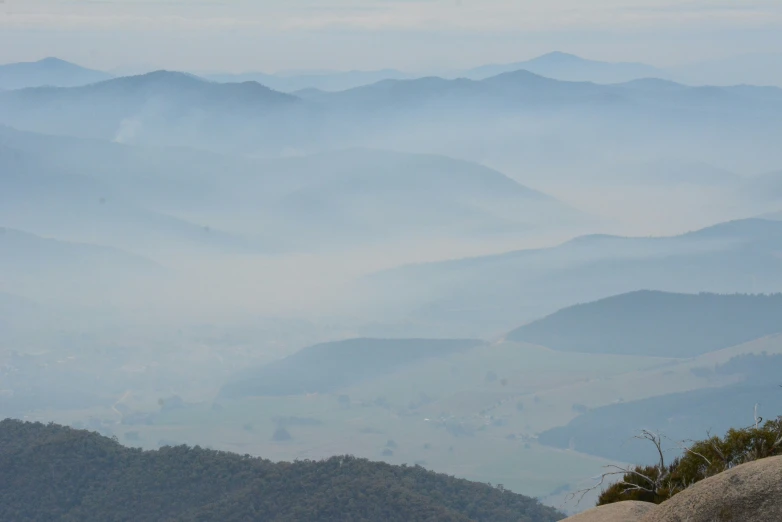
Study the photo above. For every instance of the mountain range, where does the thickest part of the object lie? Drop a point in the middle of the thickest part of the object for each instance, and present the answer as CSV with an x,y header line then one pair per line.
x,y
497,290
51,72
515,118
569,67
657,323
752,69
324,81
146,197
163,107
228,260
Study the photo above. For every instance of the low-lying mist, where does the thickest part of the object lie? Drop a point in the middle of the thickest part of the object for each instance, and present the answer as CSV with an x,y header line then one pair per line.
x,y
304,274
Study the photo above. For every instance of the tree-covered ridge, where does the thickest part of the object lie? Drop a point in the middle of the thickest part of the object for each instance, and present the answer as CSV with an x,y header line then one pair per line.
x,y
327,367
657,323
52,472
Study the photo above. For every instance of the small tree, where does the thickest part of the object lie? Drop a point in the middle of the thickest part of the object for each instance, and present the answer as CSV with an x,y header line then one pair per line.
x,y
700,460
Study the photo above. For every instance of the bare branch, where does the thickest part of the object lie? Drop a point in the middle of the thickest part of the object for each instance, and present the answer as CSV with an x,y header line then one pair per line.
x,y
655,439
617,470
682,446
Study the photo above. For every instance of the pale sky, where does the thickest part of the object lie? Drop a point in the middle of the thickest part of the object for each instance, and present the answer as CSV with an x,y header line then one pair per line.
x,y
270,35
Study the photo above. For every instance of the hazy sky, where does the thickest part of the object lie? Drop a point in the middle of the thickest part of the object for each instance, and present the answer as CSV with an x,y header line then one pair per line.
x,y
271,35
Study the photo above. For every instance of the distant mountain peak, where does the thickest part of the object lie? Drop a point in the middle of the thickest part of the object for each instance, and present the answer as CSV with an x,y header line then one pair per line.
x,y
558,56
54,60
563,66
592,238
520,75
746,229
165,74
50,71
160,78
653,84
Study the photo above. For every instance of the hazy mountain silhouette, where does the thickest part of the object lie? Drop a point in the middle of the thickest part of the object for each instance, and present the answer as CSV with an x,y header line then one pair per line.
x,y
739,256
374,194
608,431
47,72
652,85
29,252
33,266
328,367
516,86
752,69
453,101
555,65
657,324
325,81
92,190
161,107
564,66
165,108
79,197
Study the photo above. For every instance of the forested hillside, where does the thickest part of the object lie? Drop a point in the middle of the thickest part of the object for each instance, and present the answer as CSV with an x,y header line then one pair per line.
x,y
657,323
52,472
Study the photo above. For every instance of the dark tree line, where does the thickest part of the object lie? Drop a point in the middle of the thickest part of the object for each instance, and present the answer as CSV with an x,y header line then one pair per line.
x,y
51,472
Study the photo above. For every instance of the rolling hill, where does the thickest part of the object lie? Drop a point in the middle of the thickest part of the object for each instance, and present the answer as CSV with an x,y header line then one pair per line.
x,y
370,194
67,189
486,295
51,72
89,477
608,431
329,367
35,267
75,187
657,323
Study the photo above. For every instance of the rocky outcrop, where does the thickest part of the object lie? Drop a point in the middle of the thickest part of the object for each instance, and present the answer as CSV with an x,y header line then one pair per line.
x,y
750,492
629,511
